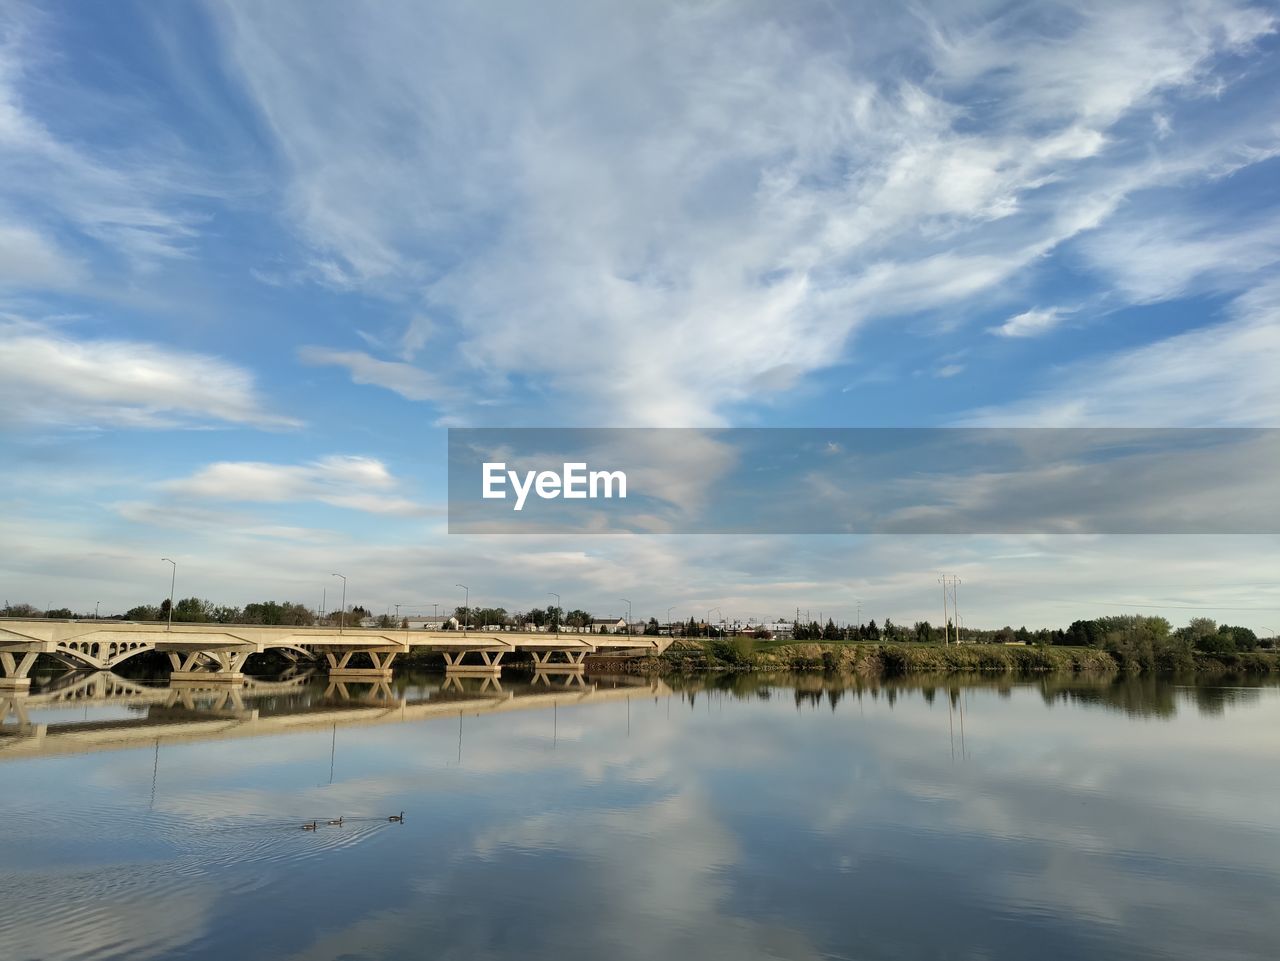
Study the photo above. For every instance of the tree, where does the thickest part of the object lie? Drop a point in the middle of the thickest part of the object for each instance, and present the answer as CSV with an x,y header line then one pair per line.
x,y
651,628
143,612
61,613
1084,634
192,610
1243,638
19,610
924,632
226,614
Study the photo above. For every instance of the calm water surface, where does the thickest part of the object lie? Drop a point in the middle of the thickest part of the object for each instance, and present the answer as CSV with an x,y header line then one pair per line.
x,y
781,817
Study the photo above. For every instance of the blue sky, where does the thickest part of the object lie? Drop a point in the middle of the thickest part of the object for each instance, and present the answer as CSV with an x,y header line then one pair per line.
x,y
255,257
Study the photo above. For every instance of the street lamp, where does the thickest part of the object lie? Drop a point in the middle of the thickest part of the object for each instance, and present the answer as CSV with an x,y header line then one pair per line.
x,y
173,577
671,631
628,603
95,609
342,614
559,607
466,606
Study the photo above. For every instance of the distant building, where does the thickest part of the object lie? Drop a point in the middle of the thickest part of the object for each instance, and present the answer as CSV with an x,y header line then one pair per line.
x,y
608,625
783,630
432,623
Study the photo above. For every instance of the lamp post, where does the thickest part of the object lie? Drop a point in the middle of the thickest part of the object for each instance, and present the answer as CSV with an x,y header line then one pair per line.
x,y
342,614
173,577
628,603
95,609
671,631
466,606
559,607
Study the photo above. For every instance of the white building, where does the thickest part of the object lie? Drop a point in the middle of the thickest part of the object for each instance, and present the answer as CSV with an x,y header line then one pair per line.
x,y
608,625
432,623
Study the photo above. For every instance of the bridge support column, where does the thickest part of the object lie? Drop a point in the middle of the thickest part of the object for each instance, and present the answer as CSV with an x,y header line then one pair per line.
x,y
340,666
574,662
560,679
482,684
491,663
14,669
208,667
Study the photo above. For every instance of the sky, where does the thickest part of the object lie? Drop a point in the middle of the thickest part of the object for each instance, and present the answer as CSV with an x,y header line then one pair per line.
x,y
257,257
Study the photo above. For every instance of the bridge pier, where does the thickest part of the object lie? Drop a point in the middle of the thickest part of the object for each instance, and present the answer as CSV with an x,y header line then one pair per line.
x,y
484,684
491,663
196,667
340,665
15,666
569,680
574,662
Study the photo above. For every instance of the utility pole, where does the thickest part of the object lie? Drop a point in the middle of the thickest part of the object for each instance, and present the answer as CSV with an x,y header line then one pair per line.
x,y
559,607
466,606
628,603
173,577
342,614
949,583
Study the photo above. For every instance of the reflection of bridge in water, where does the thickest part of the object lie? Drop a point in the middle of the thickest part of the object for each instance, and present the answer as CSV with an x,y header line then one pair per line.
x,y
260,707
206,653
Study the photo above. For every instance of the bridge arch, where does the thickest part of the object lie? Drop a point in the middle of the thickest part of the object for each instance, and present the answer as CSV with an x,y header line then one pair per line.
x,y
294,648
79,654
119,653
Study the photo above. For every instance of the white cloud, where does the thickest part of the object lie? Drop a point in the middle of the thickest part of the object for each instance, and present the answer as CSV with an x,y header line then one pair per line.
x,y
128,200
1155,258
1222,375
743,189
356,483
48,378
410,382
30,259
1030,323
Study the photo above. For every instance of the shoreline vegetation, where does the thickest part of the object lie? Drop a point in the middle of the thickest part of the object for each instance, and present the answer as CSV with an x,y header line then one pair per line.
x,y
1127,644
891,660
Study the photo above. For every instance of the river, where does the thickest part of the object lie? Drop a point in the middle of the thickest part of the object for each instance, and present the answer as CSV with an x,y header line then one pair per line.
x,y
739,817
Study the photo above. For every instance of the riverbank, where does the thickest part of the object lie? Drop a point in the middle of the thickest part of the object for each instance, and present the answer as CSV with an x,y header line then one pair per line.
x,y
744,654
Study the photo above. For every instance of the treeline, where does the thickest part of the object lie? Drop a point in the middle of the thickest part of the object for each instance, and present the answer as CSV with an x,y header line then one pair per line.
x,y
195,610
549,618
1143,638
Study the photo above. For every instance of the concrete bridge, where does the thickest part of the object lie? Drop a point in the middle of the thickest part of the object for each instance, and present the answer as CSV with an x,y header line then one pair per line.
x,y
185,713
207,653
